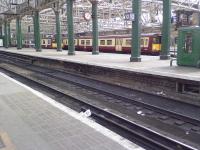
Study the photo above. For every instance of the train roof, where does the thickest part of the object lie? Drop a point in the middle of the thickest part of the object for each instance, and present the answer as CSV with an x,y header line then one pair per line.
x,y
121,36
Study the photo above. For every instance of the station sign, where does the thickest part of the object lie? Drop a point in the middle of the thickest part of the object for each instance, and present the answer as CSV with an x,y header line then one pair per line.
x,y
129,16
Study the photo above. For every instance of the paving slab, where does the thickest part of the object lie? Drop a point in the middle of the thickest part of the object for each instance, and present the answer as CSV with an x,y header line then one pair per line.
x,y
30,120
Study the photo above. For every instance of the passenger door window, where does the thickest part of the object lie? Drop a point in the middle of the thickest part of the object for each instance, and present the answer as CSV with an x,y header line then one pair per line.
x,y
188,43
142,42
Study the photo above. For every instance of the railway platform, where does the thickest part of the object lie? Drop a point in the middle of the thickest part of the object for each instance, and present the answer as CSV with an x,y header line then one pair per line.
x,y
30,120
149,64
152,75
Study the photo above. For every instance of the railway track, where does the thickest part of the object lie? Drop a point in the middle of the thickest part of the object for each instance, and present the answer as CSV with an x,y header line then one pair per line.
x,y
104,111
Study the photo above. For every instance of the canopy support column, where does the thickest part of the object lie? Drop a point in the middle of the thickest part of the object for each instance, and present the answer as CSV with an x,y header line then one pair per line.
x,y
37,31
165,47
95,41
19,32
71,46
136,31
5,35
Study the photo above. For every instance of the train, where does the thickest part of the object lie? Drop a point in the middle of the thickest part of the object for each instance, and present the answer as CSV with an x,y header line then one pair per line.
x,y
150,43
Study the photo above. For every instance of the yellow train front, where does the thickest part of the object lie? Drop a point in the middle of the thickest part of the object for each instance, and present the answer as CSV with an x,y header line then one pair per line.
x,y
151,44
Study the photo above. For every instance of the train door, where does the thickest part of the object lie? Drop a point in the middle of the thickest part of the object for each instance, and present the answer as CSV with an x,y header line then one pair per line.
x,y
82,44
118,46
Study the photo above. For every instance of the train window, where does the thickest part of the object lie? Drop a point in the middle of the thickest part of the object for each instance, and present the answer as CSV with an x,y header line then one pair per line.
x,y
102,42
87,42
142,42
109,42
43,41
128,42
146,43
188,43
49,41
157,40
82,42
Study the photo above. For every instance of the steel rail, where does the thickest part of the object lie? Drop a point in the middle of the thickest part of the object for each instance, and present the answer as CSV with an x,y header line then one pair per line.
x,y
151,139
115,95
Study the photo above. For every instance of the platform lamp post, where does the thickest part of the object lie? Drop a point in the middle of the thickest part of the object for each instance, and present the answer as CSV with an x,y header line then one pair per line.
x,y
165,47
58,32
95,41
70,25
136,31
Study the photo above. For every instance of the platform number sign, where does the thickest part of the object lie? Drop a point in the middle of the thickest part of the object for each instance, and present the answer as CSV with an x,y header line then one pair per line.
x,y
129,16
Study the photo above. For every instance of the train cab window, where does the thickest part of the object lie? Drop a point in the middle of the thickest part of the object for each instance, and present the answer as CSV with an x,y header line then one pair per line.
x,y
109,42
188,43
102,42
82,42
128,42
157,40
87,42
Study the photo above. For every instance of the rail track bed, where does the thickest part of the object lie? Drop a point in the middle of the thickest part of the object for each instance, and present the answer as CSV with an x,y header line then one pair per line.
x,y
139,116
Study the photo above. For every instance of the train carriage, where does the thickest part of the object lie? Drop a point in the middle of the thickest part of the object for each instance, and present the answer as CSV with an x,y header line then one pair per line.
x,y
150,43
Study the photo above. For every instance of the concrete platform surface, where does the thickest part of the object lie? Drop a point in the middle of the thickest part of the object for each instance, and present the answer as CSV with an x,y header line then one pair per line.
x,y
30,120
149,64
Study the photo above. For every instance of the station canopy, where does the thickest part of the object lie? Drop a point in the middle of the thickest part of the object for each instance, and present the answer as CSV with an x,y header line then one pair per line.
x,y
110,13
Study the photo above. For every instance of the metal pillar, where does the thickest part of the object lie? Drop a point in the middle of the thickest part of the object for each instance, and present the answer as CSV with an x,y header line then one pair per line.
x,y
95,41
9,35
58,35
165,48
37,31
1,30
34,28
136,31
199,19
5,35
19,33
71,47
